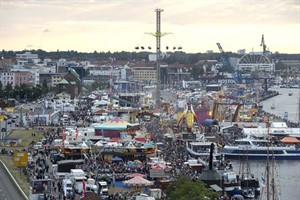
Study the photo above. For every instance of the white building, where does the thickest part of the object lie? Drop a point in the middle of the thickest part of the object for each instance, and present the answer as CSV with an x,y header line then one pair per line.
x,y
27,56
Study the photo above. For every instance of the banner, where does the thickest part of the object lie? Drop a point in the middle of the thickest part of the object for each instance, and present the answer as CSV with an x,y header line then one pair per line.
x,y
43,186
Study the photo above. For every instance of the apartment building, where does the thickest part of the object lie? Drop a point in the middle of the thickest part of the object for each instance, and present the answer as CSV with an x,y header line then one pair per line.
x,y
144,73
16,78
35,75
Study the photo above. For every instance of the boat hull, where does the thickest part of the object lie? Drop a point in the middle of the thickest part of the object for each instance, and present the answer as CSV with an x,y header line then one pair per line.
x,y
257,157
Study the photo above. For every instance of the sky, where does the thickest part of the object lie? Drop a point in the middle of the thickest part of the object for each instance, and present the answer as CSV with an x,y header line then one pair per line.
x,y
121,25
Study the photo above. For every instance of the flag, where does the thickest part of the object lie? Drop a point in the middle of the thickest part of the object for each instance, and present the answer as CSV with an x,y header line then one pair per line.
x,y
63,135
76,136
263,181
83,189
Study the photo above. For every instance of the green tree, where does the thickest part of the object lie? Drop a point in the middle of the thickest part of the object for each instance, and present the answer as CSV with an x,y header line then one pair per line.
x,y
185,189
45,87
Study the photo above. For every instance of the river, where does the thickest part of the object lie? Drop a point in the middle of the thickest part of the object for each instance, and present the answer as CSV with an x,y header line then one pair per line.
x,y
284,103
288,171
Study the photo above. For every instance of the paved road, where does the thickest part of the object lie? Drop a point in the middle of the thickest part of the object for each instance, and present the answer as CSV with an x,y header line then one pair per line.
x,y
7,189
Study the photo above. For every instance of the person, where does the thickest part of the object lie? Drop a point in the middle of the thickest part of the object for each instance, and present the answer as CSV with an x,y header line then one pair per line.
x,y
45,187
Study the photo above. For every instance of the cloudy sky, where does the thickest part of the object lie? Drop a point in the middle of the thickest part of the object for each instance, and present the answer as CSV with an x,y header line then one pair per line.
x,y
117,25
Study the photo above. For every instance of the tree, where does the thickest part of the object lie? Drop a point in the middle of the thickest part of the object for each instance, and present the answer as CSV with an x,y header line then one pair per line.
x,y
185,189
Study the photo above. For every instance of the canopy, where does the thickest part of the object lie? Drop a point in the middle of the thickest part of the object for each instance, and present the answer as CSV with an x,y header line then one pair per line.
x,y
115,139
116,158
161,166
140,139
135,174
138,181
113,124
290,140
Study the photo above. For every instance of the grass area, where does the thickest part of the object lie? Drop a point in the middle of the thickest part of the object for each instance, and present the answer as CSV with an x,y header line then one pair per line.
x,y
26,137
20,178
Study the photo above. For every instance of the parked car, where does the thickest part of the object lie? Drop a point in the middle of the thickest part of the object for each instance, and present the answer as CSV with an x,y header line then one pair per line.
x,y
38,145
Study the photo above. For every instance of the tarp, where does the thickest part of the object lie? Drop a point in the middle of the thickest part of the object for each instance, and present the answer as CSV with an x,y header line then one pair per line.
x,y
116,158
290,140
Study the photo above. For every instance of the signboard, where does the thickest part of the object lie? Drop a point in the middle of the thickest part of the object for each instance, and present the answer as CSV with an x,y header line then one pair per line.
x,y
187,136
42,186
157,173
286,115
20,159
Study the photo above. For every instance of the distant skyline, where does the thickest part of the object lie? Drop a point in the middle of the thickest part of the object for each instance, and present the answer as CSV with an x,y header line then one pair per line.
x,y
120,25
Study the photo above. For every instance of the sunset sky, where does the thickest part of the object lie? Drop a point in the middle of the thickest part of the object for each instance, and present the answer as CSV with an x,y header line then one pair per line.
x,y
120,25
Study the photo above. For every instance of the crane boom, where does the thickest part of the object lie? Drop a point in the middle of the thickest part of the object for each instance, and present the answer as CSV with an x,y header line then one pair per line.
x,y
263,44
220,47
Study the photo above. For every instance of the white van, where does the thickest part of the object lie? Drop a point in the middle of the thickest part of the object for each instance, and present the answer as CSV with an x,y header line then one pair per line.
x,y
67,187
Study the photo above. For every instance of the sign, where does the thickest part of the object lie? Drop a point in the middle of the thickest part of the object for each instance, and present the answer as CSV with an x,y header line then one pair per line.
x,y
20,159
286,116
157,173
187,136
42,186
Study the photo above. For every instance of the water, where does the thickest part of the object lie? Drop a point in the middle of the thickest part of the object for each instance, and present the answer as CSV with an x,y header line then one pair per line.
x,y
287,178
284,103
288,170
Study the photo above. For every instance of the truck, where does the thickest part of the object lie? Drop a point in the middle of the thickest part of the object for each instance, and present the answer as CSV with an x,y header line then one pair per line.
x,y
67,187
63,168
102,188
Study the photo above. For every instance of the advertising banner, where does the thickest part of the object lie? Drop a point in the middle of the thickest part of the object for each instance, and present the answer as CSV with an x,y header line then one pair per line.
x,y
42,186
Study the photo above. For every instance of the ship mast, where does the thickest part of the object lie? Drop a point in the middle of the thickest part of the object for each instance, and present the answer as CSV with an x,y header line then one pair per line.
x,y
299,108
268,166
273,180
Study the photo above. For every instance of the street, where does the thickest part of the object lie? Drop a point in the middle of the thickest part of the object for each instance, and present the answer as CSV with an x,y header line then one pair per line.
x,y
7,189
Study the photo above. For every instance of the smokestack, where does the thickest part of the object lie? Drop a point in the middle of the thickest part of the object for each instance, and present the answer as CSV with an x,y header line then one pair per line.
x,y
212,146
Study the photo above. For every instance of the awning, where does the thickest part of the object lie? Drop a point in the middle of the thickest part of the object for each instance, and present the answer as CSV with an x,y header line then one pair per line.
x,y
290,140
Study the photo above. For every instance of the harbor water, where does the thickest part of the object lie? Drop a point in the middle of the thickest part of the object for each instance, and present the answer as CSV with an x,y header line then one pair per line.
x,y
287,172
284,104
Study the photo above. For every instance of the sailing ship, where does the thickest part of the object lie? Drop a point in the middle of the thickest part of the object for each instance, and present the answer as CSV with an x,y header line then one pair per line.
x,y
249,184
270,189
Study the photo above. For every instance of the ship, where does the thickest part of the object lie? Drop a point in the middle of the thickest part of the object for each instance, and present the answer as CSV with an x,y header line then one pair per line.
x,y
258,149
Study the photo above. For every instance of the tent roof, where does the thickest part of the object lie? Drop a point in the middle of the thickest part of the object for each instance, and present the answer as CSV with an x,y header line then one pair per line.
x,y
138,181
116,123
140,139
116,139
116,158
290,140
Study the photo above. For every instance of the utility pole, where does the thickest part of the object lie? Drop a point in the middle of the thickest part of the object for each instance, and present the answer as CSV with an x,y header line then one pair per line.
x,y
158,34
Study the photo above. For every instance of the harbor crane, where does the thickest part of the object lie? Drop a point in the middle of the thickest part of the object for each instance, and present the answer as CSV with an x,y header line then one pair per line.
x,y
225,60
263,44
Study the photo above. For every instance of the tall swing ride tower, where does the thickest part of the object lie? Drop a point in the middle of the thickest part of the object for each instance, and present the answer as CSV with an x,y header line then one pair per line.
x,y
158,34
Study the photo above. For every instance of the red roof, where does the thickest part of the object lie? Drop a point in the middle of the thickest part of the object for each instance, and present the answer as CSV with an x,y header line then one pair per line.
x,y
141,139
115,139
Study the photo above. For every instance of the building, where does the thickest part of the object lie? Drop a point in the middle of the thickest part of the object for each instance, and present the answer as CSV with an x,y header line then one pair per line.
x,y
52,79
144,74
70,84
16,78
34,79
291,65
27,58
